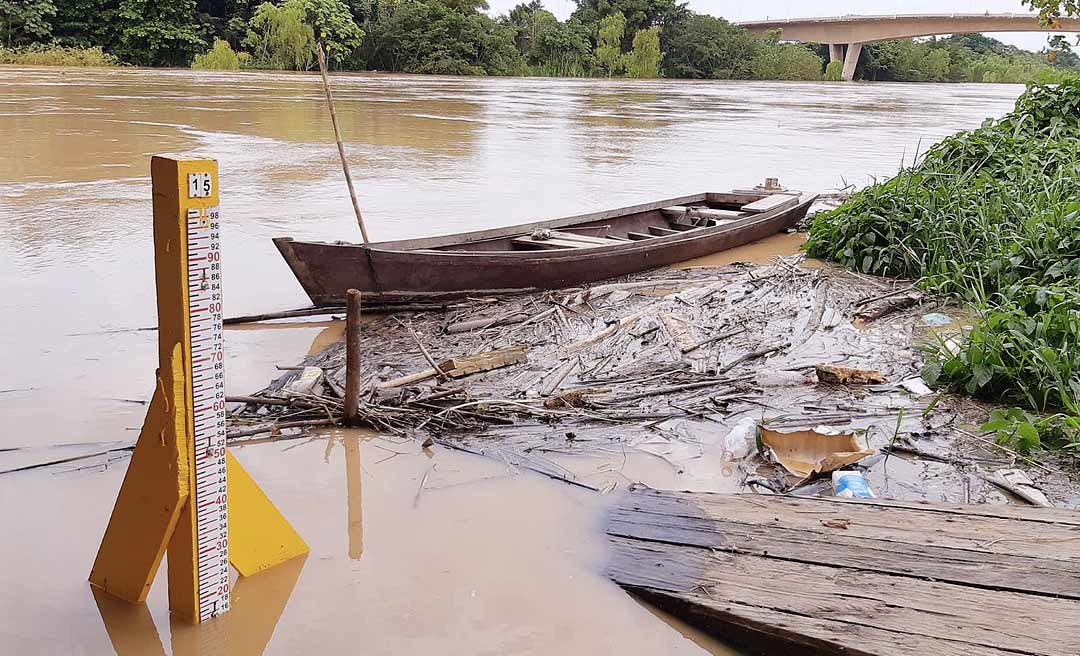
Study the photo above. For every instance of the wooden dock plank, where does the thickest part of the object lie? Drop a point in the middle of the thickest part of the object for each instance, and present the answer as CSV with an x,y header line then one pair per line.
x,y
968,567
956,530
854,578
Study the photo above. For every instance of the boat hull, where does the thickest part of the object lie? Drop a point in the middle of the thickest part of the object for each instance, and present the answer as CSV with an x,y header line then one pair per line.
x,y
327,270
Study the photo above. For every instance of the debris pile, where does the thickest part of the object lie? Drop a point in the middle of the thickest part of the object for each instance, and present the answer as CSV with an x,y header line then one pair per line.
x,y
680,367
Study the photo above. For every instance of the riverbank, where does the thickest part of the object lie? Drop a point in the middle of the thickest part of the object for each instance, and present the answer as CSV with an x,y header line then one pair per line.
x,y
989,217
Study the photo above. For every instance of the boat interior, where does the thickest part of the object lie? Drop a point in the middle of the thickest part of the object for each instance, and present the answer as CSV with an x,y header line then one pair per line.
x,y
717,210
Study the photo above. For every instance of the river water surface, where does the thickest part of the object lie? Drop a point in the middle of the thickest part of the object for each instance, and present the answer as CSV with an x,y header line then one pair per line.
x,y
494,564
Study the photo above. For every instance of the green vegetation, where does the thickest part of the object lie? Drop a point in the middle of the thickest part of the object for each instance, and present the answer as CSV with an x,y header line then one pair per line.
x,y
643,60
992,218
43,55
785,61
221,58
962,58
25,21
834,71
609,37
280,37
601,38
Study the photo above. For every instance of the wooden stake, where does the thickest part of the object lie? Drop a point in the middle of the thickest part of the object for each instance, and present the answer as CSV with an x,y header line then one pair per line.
x,y
337,136
352,358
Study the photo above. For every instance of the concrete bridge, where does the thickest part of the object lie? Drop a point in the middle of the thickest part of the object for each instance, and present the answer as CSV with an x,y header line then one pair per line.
x,y
846,35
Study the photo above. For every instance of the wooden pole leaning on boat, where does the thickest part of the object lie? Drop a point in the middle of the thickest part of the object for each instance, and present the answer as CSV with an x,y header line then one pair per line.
x,y
337,135
352,358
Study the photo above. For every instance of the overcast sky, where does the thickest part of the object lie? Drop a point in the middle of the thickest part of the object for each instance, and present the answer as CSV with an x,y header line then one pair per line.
x,y
738,10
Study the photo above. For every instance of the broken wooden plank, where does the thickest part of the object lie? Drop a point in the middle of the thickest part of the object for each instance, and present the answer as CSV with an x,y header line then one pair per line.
x,y
843,577
462,365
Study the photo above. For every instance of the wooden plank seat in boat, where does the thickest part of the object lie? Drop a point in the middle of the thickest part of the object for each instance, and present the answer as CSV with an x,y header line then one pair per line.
x,y
557,239
770,202
638,236
663,232
677,211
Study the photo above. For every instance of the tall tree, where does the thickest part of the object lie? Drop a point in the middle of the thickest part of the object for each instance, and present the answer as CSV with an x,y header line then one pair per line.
x,y
428,36
706,47
609,38
25,21
88,23
639,14
643,60
283,36
158,33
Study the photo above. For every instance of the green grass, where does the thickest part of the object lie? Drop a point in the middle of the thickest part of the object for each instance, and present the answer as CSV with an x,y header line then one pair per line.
x,y
990,217
51,55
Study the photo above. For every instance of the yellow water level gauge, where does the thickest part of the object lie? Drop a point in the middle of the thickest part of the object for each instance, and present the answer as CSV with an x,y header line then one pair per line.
x,y
182,487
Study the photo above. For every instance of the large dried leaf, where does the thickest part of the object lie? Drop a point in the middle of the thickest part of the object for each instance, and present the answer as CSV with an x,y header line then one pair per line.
x,y
808,452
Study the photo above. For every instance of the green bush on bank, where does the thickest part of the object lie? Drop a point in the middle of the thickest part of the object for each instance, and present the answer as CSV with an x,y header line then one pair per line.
x,y
834,71
53,55
221,58
991,217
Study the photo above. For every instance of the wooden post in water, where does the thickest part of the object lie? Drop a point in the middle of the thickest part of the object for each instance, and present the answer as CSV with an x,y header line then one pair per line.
x,y
337,135
352,358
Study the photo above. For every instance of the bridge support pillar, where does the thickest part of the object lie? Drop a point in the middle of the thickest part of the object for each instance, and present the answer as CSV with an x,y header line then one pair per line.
x,y
851,58
836,52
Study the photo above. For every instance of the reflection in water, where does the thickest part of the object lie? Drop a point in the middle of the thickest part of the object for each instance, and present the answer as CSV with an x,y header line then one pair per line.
x,y
256,606
352,486
130,627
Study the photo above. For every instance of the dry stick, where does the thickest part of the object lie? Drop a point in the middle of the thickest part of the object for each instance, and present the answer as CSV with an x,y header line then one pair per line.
x,y
490,322
1002,447
352,359
423,349
260,400
560,376
668,389
337,136
305,423
435,396
381,308
715,338
750,356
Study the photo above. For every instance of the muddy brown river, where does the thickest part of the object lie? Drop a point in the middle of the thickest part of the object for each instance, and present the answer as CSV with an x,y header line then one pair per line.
x,y
484,561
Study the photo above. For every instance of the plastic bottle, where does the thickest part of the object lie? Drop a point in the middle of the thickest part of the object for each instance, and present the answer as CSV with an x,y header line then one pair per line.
x,y
851,484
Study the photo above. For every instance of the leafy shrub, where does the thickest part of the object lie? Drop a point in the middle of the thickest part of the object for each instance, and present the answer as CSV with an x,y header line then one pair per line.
x,y
51,55
992,217
834,71
221,58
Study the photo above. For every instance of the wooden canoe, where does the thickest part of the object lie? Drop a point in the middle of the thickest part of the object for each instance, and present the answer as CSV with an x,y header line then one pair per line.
x,y
550,254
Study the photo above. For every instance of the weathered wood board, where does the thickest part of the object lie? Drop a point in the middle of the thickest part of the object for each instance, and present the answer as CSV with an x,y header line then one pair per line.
x,y
829,576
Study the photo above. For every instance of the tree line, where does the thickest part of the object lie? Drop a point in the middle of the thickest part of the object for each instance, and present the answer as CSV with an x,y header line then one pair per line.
x,y
601,38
